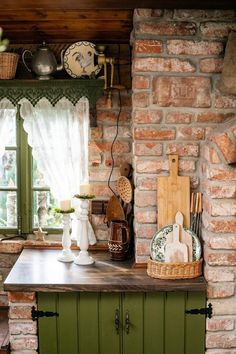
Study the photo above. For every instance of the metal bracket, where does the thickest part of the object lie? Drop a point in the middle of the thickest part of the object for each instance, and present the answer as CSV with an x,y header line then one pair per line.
x,y
35,314
203,311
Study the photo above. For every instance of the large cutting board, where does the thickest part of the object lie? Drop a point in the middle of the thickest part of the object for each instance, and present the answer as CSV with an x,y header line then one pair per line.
x,y
173,194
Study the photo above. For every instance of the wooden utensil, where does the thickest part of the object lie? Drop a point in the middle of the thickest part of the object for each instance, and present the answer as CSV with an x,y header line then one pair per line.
x,y
173,194
124,188
125,169
176,251
114,210
184,236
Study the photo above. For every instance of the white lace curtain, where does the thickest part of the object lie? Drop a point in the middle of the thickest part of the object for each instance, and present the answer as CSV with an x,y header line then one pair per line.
x,y
58,136
7,119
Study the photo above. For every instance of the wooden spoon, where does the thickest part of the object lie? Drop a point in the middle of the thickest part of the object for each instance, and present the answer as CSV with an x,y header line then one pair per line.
x,y
114,210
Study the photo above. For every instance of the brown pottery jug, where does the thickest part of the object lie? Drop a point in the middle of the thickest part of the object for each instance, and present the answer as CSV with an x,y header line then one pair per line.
x,y
119,240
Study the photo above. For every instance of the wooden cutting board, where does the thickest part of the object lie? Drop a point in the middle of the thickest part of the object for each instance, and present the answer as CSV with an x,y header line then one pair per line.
x,y
173,194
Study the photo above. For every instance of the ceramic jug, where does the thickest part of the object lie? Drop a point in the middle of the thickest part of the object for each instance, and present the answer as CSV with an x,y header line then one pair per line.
x,y
43,62
118,243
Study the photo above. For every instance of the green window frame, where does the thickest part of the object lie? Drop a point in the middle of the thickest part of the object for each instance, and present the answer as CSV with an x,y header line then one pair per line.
x,y
24,187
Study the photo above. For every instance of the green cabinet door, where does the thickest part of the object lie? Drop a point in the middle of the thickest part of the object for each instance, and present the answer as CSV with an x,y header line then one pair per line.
x,y
121,323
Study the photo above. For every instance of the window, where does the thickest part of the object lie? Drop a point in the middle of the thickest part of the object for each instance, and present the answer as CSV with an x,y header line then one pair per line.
x,y
25,200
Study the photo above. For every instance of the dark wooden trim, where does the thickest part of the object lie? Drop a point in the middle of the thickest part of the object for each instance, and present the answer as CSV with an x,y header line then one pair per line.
x,y
112,4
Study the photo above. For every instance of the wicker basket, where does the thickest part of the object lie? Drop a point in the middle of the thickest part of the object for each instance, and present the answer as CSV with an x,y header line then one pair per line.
x,y
8,65
164,270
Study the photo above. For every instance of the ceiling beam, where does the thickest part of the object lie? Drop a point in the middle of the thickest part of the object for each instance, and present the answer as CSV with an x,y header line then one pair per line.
x,y
114,4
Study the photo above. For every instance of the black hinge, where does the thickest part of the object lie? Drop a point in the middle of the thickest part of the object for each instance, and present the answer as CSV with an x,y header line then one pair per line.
x,y
35,314
203,311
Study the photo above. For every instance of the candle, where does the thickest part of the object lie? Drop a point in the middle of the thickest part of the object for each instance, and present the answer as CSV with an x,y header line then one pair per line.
x,y
85,189
65,205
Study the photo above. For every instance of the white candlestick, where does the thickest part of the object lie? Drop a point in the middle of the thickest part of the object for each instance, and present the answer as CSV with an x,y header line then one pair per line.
x,y
65,205
85,189
83,258
66,254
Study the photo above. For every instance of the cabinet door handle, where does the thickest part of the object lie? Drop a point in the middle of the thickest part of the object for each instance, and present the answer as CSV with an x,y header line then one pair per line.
x,y
127,322
117,321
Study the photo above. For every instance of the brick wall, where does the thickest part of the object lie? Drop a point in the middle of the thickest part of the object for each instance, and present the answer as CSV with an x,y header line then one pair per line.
x,y
177,108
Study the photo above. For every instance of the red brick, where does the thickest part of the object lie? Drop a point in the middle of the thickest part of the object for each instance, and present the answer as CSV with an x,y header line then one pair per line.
x,y
11,246
141,82
178,118
119,147
227,146
147,117
220,340
152,166
218,191
221,258
7,261
23,328
145,216
219,274
214,117
118,160
123,132
193,133
187,47
224,306
211,65
20,312
222,242
24,343
141,99
222,207
222,101
182,91
217,29
183,149
3,300
158,166
21,297
162,64
142,247
145,199
221,226
146,231
165,28
126,101
215,291
207,13
147,46
147,183
148,149
224,324
211,154
154,134
111,117
215,174
101,190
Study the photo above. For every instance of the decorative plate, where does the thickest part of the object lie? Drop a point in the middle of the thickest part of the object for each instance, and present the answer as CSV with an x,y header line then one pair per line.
x,y
157,247
79,60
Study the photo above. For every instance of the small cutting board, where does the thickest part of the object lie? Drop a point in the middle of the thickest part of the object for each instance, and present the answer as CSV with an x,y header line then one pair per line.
x,y
176,251
173,194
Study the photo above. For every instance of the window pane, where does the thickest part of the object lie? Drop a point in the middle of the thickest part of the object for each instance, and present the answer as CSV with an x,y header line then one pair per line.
x,y
12,132
8,209
43,210
8,169
38,178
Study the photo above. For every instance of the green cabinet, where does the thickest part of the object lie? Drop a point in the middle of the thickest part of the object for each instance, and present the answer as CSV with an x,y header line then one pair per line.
x,y
121,323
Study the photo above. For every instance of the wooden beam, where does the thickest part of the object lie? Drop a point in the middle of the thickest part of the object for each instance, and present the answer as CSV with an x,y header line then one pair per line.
x,y
114,4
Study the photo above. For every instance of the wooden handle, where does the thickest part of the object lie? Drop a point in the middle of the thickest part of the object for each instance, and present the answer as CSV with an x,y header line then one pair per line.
x,y
173,165
196,203
192,203
200,202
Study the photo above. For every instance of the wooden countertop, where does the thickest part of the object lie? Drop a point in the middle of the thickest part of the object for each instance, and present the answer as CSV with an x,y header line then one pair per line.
x,y
39,270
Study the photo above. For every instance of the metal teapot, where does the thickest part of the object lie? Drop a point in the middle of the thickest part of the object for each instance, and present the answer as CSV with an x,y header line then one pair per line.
x,y
43,62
